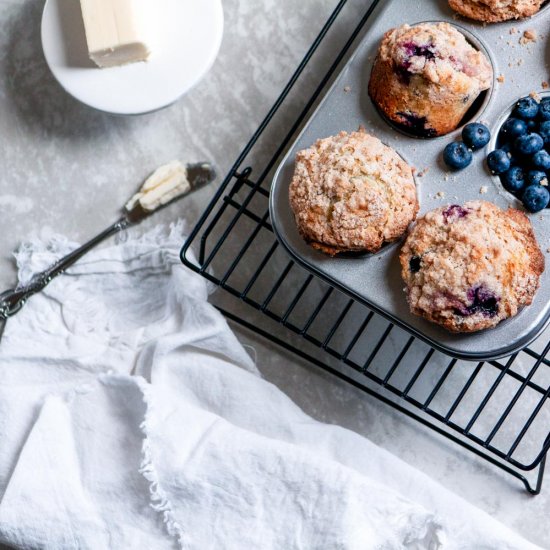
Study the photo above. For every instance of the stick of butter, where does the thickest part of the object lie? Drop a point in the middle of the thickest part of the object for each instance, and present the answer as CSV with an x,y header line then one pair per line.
x,y
115,31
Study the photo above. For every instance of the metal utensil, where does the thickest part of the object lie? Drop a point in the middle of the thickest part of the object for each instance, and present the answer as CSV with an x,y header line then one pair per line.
x,y
13,300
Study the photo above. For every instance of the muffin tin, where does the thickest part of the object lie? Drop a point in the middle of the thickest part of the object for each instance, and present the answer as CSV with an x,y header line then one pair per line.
x,y
375,279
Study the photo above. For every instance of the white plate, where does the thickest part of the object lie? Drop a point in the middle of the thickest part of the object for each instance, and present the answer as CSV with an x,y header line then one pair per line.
x,y
185,47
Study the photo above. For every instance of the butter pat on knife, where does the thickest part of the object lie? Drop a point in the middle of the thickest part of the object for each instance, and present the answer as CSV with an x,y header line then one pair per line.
x,y
116,31
165,184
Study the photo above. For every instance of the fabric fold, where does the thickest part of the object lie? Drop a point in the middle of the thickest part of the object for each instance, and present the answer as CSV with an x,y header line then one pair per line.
x,y
132,417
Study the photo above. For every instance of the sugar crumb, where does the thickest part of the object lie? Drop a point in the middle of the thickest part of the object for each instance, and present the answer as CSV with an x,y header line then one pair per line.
x,y
530,35
440,195
545,85
501,78
483,189
535,96
347,89
423,172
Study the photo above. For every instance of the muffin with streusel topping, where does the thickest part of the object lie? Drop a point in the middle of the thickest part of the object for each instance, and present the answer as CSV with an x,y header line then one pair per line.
x,y
426,77
352,193
469,267
493,11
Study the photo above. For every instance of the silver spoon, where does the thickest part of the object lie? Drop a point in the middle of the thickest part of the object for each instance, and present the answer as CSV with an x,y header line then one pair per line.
x,y
13,300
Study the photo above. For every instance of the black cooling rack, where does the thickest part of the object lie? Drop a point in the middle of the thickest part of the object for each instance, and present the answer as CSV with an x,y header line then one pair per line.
x,y
498,410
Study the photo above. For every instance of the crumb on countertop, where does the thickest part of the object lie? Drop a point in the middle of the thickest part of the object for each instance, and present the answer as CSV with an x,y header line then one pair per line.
x,y
513,30
347,89
501,78
483,189
545,85
423,172
440,195
535,96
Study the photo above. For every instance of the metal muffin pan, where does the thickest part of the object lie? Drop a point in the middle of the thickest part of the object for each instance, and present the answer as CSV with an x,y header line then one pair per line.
x,y
375,279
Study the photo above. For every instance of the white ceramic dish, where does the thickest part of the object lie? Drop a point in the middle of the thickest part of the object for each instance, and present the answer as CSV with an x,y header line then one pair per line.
x,y
184,49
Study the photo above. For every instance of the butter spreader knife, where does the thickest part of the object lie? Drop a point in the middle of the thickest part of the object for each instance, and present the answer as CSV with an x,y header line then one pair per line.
x,y
165,186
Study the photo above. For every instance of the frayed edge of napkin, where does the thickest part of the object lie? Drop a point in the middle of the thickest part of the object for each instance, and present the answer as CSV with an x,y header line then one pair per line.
x,y
159,501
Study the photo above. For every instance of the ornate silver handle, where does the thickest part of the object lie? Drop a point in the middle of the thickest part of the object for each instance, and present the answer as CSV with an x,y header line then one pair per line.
x,y
13,300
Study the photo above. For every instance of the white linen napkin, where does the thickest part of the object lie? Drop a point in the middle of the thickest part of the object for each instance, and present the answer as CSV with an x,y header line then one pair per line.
x,y
131,417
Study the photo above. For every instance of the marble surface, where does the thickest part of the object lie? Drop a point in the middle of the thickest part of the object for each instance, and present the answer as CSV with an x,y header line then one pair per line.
x,y
67,169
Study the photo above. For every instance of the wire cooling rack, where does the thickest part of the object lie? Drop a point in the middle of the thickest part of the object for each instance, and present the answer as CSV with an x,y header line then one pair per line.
x,y
498,410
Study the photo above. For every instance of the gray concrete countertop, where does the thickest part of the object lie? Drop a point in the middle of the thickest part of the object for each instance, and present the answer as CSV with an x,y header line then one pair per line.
x,y
67,169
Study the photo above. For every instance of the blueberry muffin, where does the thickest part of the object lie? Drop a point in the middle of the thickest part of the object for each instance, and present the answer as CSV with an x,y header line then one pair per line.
x,y
493,11
426,77
469,267
352,193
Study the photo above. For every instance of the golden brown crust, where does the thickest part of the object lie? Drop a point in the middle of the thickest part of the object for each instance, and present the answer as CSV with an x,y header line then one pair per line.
x,y
426,77
495,11
469,267
529,240
352,193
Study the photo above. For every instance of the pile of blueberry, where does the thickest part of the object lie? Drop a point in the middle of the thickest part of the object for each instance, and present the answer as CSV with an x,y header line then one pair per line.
x,y
522,159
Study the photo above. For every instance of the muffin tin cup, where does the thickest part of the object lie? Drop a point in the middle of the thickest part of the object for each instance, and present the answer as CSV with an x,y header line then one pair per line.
x,y
375,279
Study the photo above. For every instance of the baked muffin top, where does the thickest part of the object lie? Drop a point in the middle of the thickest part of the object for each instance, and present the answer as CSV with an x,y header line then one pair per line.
x,y
352,193
469,267
493,11
440,54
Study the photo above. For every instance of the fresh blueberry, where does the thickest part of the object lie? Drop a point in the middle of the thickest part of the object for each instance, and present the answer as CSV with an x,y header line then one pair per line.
x,y
457,156
535,198
541,160
514,179
513,128
498,161
526,108
528,144
506,147
536,177
476,136
544,131
544,110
